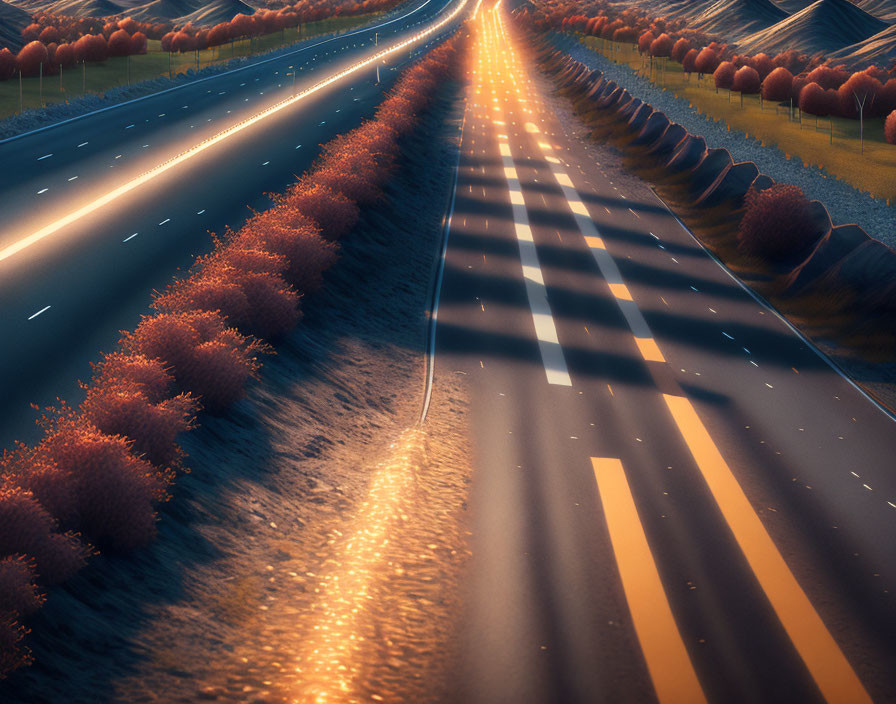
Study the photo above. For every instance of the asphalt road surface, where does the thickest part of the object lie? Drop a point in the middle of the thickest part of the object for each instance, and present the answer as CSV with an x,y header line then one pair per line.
x,y
65,297
675,498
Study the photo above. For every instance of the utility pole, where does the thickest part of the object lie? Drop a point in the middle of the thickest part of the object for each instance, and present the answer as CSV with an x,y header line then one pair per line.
x,y
83,75
40,99
376,42
21,100
128,65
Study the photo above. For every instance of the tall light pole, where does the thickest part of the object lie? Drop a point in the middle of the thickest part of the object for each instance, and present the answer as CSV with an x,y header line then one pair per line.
x,y
376,41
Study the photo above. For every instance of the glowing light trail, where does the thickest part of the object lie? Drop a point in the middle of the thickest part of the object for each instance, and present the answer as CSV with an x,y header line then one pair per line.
x,y
56,226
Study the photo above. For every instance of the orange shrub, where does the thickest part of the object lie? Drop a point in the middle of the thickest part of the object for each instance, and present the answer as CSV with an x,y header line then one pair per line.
x,y
207,293
777,223
724,74
122,408
31,57
13,654
7,64
356,178
890,128
220,374
661,46
398,113
147,374
115,491
335,213
644,42
257,303
777,85
18,591
26,528
242,254
746,80
679,49
182,340
274,304
308,254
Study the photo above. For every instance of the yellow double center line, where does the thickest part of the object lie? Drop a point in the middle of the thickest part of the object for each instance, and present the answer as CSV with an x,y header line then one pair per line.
x,y
667,660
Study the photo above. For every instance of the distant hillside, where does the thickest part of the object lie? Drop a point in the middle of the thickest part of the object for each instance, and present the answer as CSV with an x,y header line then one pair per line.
x,y
163,10
883,9
12,21
793,6
735,19
82,8
217,11
879,49
825,26
687,10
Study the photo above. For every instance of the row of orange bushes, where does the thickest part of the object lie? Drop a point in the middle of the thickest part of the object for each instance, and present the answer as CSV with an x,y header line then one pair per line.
x,y
95,478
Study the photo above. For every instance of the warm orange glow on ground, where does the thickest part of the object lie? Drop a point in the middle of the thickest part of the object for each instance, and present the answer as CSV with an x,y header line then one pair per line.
x,y
329,664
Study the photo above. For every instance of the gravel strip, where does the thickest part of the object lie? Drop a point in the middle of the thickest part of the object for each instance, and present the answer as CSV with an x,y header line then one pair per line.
x,y
845,203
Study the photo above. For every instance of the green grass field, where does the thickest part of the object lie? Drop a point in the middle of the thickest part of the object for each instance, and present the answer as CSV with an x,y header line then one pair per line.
x,y
831,143
99,77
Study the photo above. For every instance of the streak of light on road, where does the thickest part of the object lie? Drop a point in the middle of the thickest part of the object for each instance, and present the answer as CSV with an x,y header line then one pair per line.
x,y
28,240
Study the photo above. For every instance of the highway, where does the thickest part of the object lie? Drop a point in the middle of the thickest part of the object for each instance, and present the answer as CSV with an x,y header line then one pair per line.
x,y
77,265
675,498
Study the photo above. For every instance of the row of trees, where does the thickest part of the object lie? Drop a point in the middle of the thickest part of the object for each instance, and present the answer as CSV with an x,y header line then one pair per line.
x,y
55,41
814,85
38,58
94,479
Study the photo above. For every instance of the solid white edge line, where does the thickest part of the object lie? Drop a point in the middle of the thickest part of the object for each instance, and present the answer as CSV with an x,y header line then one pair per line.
x,y
774,311
430,351
208,78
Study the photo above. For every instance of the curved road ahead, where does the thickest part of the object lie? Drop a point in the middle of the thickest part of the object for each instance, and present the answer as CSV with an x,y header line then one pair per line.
x,y
674,497
64,298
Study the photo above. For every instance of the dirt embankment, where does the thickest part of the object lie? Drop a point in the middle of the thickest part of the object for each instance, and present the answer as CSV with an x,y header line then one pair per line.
x,y
319,540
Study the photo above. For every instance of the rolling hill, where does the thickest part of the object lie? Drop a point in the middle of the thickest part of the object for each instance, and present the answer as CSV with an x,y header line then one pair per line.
x,y
217,11
82,8
163,10
824,26
12,21
791,7
882,9
735,19
879,49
